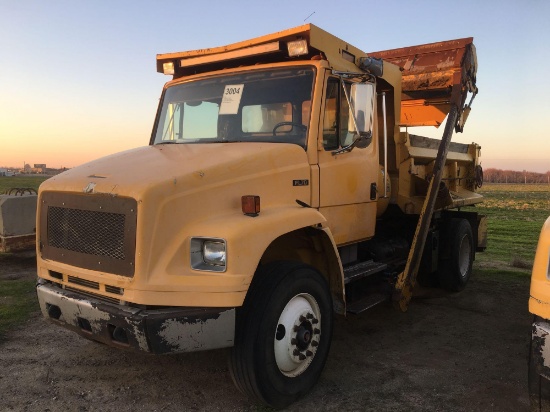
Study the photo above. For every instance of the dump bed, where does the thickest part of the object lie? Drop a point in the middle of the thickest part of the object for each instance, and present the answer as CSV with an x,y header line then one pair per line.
x,y
462,173
433,77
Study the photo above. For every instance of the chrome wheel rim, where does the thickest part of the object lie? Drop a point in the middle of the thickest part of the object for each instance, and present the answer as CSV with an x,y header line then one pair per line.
x,y
297,335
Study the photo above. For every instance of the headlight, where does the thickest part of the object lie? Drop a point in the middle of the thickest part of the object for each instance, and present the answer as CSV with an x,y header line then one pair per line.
x,y
213,253
208,254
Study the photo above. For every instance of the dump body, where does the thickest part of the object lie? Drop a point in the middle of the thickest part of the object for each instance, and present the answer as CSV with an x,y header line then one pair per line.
x,y
277,188
429,74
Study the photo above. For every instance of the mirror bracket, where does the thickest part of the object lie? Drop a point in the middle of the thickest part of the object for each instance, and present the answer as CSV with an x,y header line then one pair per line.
x,y
364,77
361,140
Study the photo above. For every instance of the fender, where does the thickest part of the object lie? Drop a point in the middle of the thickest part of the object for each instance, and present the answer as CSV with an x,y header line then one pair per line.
x,y
248,237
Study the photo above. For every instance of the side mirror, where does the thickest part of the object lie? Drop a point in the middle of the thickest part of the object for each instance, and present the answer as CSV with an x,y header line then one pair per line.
x,y
362,108
361,113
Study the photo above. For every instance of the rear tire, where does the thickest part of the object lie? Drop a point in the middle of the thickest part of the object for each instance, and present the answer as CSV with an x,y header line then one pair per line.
x,y
283,334
455,271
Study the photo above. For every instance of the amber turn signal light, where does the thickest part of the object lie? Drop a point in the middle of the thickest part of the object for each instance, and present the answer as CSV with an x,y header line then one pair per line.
x,y
250,205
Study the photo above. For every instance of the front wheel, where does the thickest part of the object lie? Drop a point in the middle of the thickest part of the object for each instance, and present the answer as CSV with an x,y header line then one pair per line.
x,y
283,334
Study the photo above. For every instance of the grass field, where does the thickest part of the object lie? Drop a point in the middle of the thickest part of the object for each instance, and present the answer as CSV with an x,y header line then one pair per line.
x,y
7,183
516,214
17,302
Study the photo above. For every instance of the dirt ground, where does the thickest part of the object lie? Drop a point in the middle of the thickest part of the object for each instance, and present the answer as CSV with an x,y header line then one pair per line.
x,y
449,352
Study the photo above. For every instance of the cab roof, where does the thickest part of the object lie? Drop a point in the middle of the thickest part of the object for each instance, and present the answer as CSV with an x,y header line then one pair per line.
x,y
269,48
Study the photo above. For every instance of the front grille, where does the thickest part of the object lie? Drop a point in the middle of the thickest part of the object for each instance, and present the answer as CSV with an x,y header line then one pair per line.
x,y
114,289
90,231
56,275
87,231
83,282
93,295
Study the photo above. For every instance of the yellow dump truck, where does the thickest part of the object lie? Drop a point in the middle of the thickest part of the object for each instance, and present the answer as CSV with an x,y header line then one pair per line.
x,y
539,306
280,186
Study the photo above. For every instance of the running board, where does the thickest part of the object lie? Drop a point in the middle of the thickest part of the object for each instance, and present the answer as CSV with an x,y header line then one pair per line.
x,y
367,303
361,270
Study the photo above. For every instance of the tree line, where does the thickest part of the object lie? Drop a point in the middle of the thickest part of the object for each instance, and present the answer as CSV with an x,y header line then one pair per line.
x,y
514,176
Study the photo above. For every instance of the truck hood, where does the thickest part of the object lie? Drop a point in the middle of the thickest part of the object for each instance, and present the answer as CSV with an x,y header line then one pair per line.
x,y
178,168
183,191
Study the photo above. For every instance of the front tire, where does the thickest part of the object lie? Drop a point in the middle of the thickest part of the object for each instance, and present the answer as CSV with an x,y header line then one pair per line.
x,y
283,334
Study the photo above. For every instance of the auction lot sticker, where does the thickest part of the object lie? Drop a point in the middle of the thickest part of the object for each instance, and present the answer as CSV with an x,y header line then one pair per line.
x,y
231,99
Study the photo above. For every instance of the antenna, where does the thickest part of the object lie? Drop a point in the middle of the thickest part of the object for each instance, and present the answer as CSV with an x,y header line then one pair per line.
x,y
309,16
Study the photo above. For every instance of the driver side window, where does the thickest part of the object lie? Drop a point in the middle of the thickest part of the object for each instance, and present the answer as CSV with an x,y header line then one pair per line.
x,y
336,116
262,118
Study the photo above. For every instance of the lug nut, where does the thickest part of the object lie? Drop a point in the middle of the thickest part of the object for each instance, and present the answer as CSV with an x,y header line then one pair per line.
x,y
314,343
309,316
302,356
293,341
296,352
315,321
309,353
302,318
316,331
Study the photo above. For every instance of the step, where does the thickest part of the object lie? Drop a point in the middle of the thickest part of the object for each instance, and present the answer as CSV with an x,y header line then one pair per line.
x,y
367,303
361,270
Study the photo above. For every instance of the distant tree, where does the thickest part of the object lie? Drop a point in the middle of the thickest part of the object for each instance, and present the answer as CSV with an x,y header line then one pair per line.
x,y
492,175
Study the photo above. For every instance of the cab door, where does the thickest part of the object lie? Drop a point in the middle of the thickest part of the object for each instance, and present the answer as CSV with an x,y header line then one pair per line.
x,y
347,195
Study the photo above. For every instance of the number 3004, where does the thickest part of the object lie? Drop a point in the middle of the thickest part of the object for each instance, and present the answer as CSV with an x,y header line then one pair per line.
x,y
233,90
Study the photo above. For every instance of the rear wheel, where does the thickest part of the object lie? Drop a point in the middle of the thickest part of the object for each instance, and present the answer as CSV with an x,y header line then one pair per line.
x,y
455,271
283,334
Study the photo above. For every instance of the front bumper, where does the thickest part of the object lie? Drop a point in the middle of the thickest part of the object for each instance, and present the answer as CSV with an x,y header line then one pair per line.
x,y
540,347
166,330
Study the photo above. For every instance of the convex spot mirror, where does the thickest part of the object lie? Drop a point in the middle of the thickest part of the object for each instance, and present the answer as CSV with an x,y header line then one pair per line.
x,y
362,96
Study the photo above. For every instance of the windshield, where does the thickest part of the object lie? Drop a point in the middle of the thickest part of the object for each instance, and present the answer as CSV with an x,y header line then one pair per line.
x,y
257,106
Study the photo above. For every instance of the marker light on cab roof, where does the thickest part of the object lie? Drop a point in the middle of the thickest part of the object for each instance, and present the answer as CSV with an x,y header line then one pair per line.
x,y
297,48
168,68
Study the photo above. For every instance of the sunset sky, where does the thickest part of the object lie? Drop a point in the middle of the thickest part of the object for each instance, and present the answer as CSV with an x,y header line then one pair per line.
x,y
78,79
